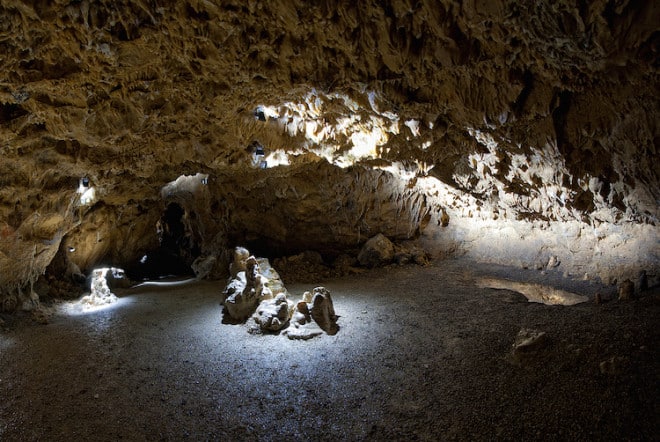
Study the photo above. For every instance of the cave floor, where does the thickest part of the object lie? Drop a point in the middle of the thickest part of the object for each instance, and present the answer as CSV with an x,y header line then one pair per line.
x,y
422,354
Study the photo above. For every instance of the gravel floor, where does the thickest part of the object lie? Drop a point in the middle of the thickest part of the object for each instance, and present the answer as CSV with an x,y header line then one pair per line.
x,y
422,354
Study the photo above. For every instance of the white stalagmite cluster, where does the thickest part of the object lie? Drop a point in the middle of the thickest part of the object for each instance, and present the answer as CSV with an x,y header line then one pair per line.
x,y
100,293
256,291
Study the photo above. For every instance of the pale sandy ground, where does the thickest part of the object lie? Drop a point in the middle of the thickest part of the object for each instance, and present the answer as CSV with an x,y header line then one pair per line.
x,y
422,354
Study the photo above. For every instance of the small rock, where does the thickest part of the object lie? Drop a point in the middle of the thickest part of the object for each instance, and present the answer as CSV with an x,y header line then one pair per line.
x,y
40,317
527,344
553,261
306,332
613,366
529,340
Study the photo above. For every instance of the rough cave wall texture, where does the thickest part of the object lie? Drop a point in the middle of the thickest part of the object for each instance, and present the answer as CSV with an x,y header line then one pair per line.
x,y
531,126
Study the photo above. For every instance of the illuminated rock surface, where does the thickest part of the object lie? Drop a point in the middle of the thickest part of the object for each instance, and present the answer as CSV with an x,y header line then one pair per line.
x,y
377,251
534,292
100,293
272,315
250,287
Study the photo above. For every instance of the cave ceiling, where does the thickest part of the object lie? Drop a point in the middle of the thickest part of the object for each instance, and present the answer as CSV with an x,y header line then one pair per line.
x,y
546,111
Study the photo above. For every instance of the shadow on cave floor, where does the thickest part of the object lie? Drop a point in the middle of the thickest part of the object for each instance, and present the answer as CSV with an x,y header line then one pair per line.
x,y
422,354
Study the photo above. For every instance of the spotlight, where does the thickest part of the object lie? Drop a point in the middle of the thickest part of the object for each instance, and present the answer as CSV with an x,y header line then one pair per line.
x,y
259,114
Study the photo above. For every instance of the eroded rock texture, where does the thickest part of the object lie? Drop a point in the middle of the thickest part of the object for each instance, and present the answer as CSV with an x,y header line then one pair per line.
x,y
511,132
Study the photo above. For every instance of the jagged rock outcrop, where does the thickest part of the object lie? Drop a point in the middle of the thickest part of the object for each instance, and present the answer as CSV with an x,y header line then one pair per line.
x,y
255,289
272,315
249,287
534,130
313,315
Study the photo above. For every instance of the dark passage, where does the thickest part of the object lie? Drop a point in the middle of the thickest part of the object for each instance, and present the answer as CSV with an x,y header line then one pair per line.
x,y
177,248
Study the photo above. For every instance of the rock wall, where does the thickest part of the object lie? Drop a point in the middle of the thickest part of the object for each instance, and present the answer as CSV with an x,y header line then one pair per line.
x,y
543,113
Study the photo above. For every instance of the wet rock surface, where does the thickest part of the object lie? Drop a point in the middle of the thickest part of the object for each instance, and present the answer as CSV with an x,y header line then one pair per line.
x,y
160,364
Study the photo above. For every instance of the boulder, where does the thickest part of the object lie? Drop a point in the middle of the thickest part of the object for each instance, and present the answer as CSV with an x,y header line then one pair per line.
x,y
207,267
376,251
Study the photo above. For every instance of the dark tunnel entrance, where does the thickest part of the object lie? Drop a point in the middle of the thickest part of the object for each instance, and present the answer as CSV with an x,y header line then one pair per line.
x,y
177,250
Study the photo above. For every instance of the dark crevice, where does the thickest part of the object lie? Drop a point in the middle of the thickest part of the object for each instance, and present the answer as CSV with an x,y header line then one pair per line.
x,y
10,111
559,118
528,85
177,249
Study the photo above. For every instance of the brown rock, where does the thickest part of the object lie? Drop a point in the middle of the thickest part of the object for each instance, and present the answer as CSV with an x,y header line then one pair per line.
x,y
626,290
323,312
377,251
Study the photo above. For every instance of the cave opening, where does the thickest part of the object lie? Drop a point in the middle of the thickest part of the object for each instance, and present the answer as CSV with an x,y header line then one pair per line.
x,y
177,250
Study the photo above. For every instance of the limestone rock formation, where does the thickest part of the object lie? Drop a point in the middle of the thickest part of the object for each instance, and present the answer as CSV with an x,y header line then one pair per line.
x,y
302,326
323,311
255,289
146,135
313,315
273,314
253,281
100,293
244,292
